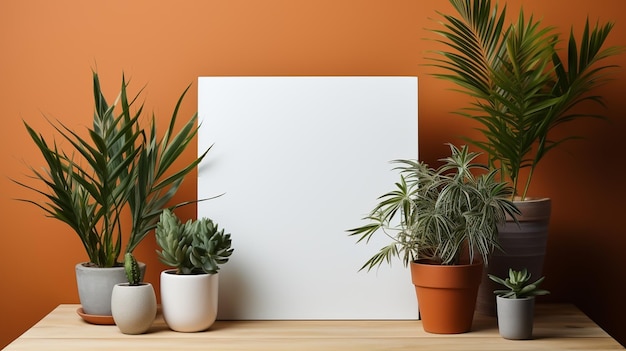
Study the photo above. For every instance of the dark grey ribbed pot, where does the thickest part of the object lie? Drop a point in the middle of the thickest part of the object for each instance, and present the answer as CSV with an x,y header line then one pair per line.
x,y
524,247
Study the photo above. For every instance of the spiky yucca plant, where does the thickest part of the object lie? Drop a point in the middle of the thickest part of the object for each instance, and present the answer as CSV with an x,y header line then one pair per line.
x,y
119,165
521,85
192,247
439,214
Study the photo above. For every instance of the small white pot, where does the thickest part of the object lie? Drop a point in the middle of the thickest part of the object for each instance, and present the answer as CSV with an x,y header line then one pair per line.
x,y
515,317
133,307
189,302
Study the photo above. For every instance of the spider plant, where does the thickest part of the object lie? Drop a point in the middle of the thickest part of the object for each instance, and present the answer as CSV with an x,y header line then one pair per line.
x,y
521,85
439,214
118,166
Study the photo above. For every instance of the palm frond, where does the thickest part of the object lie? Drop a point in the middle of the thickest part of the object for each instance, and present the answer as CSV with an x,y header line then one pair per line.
x,y
521,87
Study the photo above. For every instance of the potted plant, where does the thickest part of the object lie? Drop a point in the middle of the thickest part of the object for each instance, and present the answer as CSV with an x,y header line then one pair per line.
x,y
133,304
189,291
93,183
516,304
521,88
443,223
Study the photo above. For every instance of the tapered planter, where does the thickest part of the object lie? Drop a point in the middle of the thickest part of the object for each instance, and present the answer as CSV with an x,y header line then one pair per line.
x,y
446,295
95,286
189,302
134,307
515,317
524,246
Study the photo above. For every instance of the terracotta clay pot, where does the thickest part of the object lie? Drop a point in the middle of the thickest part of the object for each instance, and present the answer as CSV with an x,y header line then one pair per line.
x,y
446,295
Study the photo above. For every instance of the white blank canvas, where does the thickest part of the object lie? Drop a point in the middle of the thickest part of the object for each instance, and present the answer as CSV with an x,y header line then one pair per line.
x,y
300,160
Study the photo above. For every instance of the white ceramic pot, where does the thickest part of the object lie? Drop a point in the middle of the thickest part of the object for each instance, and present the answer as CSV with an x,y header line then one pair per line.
x,y
133,307
189,302
515,317
95,286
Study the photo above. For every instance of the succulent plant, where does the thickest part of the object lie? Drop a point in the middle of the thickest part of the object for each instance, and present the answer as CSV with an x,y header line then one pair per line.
x,y
193,247
133,274
518,285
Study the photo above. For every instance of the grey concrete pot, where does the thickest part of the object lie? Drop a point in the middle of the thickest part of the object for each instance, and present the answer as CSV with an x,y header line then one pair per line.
x,y
95,286
515,317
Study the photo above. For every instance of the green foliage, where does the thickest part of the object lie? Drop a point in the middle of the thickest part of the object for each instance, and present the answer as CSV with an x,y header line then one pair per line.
x,y
439,214
521,88
518,284
119,165
193,247
131,267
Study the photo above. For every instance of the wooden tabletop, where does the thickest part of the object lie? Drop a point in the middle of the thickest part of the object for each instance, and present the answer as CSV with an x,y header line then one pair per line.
x,y
557,327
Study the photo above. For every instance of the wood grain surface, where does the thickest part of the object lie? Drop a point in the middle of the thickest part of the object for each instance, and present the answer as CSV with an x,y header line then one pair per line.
x,y
557,327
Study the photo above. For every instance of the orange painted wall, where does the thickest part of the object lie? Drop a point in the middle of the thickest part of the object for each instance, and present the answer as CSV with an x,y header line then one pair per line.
x,y
47,49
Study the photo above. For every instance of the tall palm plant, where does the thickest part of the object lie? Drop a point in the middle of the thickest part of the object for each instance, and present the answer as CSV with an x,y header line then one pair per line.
x,y
521,88
118,166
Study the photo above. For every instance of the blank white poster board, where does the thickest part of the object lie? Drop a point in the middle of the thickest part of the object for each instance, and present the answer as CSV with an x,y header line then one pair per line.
x,y
300,160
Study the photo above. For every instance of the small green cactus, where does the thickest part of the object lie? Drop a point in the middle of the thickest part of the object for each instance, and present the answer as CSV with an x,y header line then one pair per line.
x,y
518,284
193,247
133,274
